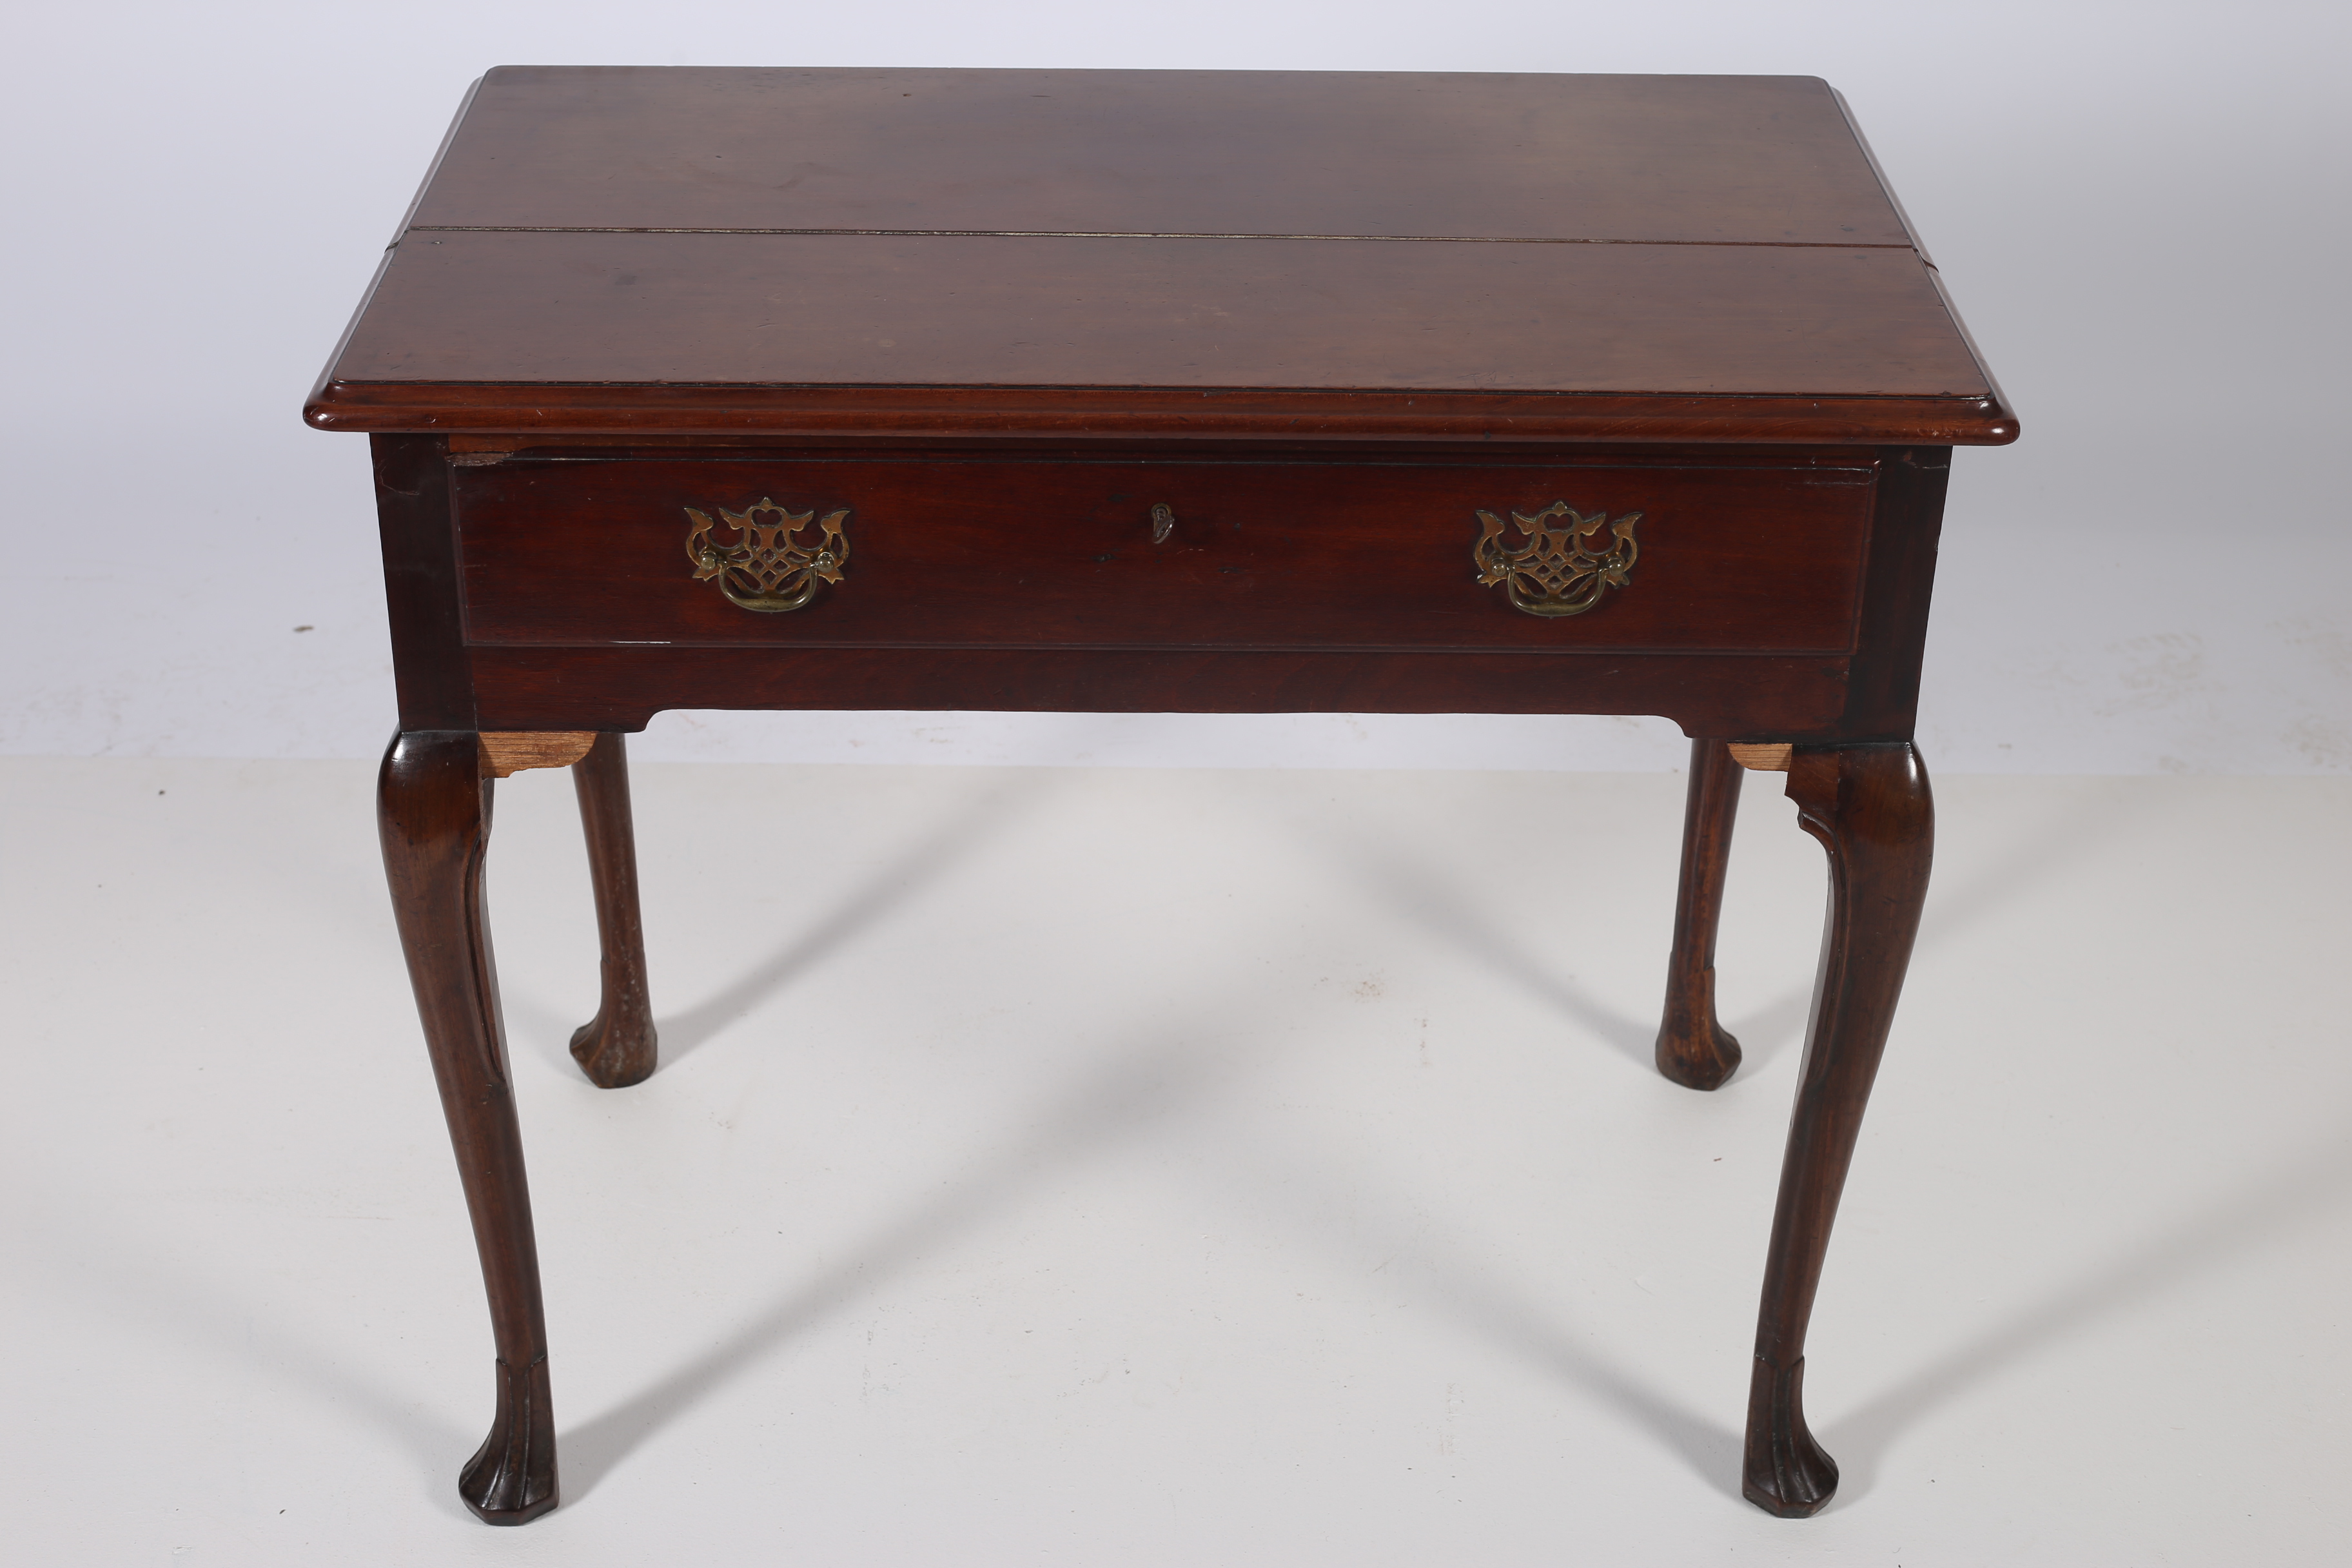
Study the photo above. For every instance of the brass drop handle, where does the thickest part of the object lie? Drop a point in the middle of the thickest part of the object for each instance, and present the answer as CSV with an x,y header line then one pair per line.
x,y
764,558
1557,571
1163,524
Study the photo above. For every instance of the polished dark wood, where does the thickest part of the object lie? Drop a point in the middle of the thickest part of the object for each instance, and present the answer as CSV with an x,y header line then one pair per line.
x,y
1151,414
1871,809
433,813
431,671
1220,255
1694,1049
1268,315
1741,557
581,551
1715,159
1907,520
618,1047
999,317
621,688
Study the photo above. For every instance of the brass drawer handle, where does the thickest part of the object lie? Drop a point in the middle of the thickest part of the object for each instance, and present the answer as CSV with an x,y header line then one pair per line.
x,y
1557,572
770,567
1163,524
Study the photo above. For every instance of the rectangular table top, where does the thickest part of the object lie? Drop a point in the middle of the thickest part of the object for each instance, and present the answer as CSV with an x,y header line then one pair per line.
x,y
1293,255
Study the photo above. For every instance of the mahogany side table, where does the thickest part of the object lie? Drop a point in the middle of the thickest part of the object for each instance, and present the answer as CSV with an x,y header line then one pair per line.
x,y
1145,391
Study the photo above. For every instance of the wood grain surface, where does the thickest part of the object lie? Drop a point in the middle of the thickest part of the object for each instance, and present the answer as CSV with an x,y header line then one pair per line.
x,y
962,310
1703,160
1693,1048
506,753
1231,255
622,687
1753,557
1154,391
1872,809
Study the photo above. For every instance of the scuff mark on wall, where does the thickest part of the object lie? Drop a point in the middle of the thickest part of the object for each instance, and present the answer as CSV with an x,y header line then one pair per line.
x,y
2159,670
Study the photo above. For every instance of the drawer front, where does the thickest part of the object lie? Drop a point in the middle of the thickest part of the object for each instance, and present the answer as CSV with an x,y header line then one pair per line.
x,y
941,553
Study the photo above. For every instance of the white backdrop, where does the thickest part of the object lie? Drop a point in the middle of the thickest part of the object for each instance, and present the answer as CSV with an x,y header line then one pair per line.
x,y
2142,210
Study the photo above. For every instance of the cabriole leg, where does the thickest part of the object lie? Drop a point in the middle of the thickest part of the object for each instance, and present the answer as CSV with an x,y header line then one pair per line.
x,y
617,1047
1693,1049
433,811
1870,807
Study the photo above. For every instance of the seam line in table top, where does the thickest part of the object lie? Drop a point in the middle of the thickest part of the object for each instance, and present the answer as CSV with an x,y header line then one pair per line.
x,y
1138,233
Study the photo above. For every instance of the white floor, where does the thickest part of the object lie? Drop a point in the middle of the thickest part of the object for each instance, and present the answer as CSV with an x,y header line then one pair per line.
x,y
1138,1167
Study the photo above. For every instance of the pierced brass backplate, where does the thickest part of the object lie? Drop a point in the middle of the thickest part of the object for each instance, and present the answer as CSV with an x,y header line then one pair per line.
x,y
1557,572
770,566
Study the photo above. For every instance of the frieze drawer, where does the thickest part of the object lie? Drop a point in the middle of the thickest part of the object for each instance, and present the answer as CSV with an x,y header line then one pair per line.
x,y
1763,557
